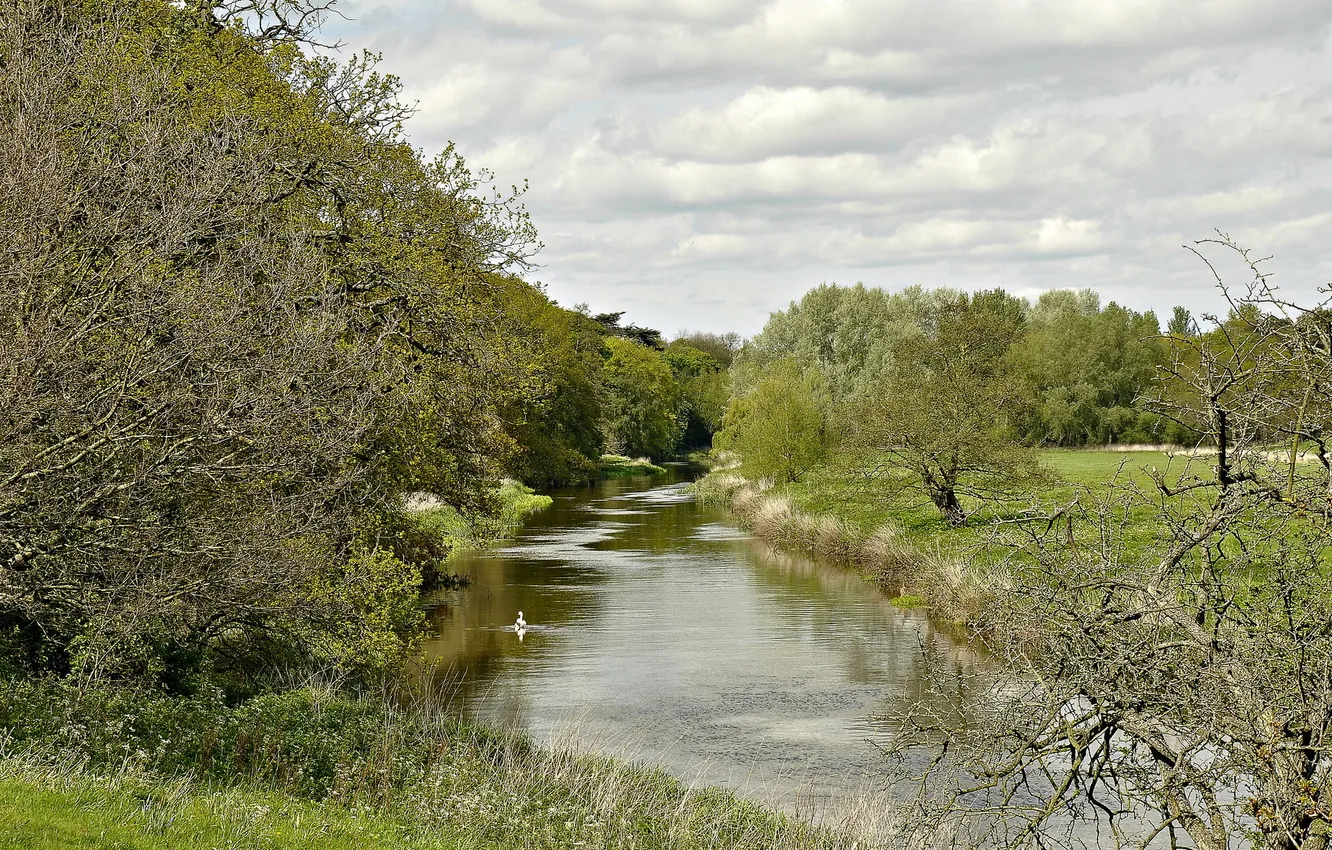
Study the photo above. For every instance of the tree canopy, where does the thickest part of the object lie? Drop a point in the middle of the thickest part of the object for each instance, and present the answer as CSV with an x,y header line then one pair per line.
x,y
242,319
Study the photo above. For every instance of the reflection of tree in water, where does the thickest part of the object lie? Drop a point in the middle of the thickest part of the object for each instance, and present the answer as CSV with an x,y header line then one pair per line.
x,y
656,527
748,661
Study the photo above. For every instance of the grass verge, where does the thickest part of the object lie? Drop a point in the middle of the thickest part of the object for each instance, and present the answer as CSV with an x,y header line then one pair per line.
x,y
515,502
315,768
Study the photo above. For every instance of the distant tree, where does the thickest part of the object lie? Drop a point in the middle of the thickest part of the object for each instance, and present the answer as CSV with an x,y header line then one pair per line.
x,y
847,333
1181,323
721,347
704,390
938,420
611,326
644,413
1084,367
778,427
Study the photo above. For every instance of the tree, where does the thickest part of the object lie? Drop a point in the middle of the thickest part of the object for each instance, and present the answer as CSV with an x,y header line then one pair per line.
x,y
703,388
242,319
1177,688
778,427
557,422
1085,367
721,347
611,326
938,420
643,415
1181,323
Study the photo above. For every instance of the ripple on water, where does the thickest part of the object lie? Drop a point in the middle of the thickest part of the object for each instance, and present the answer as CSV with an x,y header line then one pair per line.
x,y
664,634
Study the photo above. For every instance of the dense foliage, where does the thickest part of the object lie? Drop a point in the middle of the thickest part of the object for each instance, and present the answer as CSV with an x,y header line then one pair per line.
x,y
944,392
242,318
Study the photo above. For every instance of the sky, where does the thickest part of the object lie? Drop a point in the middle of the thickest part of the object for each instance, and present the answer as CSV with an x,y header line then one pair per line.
x,y
698,164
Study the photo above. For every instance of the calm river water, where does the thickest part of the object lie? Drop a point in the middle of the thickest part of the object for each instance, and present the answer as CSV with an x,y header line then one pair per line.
x,y
661,632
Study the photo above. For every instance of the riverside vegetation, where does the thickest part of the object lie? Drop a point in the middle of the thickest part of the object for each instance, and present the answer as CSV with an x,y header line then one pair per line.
x,y
1158,622
250,332
265,366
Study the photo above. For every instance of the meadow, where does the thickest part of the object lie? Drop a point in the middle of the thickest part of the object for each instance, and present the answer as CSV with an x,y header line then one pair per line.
x,y
881,525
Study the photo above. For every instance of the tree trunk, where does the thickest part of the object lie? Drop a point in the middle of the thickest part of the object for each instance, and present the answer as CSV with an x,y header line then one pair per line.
x,y
945,499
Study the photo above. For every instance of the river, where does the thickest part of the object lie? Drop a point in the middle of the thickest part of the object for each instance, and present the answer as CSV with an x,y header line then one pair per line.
x,y
661,632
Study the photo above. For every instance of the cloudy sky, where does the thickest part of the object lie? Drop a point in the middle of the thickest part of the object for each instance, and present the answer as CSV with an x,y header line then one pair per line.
x,y
700,163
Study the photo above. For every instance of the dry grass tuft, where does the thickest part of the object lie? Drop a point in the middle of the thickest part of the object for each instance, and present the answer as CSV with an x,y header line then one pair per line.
x,y
951,588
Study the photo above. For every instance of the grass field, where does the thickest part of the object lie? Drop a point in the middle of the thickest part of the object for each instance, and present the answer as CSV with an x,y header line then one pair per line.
x,y
899,539
866,503
43,810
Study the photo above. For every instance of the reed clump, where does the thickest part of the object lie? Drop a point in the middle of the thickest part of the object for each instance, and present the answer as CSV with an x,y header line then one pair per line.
x,y
950,588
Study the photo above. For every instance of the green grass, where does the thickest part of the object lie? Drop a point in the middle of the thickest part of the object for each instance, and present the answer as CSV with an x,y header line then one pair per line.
x,y
890,531
40,810
866,503
515,502
619,466
316,768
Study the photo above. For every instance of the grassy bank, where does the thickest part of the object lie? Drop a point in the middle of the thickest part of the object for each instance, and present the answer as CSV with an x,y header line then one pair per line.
x,y
901,542
619,466
46,807
448,531
315,768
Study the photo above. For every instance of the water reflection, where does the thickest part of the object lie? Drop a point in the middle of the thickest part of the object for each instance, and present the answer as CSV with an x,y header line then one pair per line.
x,y
659,631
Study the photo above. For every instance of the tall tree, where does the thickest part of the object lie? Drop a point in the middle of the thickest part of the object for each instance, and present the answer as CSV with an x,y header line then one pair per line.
x,y
939,419
779,426
241,319
557,422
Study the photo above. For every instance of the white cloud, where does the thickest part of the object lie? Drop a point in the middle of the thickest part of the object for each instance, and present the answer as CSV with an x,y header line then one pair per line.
x,y
699,162
1062,235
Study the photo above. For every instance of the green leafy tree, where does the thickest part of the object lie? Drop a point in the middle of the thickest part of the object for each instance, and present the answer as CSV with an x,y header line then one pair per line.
x,y
644,413
704,388
1085,367
557,424
778,427
242,320
721,347
1181,323
938,421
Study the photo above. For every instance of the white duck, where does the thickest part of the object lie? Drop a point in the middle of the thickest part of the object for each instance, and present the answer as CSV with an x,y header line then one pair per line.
x,y
520,624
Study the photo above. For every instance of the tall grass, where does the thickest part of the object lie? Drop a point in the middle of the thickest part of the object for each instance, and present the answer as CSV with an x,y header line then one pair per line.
x,y
409,763
951,588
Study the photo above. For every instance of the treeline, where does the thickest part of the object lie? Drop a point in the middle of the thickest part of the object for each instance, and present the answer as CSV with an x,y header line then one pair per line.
x,y
1077,366
948,392
242,319
611,387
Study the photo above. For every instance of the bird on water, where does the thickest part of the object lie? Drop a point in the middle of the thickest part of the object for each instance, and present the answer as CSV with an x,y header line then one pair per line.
x,y
520,623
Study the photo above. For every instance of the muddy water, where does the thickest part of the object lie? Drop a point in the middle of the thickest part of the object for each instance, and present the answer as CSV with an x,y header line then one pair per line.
x,y
661,632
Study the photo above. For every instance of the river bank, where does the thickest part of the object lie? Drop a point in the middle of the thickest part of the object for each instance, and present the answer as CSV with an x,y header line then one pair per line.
x,y
897,541
297,766
315,767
